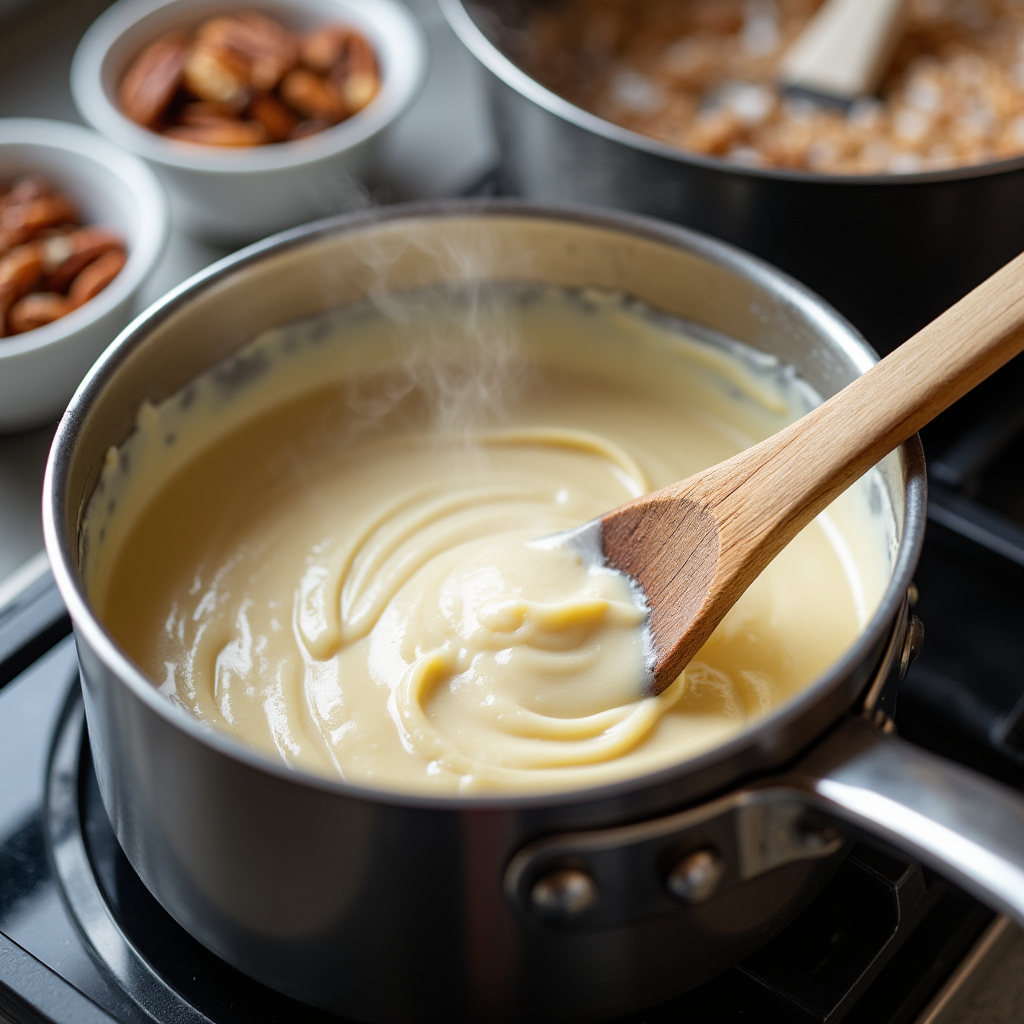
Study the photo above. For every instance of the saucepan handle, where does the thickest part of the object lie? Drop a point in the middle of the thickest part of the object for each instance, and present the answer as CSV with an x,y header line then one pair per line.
x,y
966,826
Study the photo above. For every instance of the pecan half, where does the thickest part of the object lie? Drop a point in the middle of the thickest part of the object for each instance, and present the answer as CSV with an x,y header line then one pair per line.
x,y
153,78
22,222
36,310
64,256
56,231
96,276
356,75
272,51
358,90
277,120
218,74
324,47
312,96
202,113
24,190
339,48
360,58
220,133
20,271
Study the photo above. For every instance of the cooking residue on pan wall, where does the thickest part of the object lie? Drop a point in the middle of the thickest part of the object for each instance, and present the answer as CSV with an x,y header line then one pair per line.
x,y
323,549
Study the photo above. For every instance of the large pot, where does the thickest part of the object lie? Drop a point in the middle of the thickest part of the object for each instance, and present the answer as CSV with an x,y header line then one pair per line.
x,y
558,907
889,251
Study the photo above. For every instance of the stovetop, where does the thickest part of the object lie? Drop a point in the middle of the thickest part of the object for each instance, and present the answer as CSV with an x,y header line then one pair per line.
x,y
82,940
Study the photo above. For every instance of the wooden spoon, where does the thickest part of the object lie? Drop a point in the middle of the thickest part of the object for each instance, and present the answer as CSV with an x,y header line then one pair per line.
x,y
844,50
694,547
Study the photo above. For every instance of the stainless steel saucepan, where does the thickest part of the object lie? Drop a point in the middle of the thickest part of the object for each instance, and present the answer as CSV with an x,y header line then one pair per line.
x,y
561,907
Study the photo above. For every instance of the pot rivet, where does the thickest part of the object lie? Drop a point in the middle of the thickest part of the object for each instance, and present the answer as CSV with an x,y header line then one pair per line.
x,y
564,892
695,877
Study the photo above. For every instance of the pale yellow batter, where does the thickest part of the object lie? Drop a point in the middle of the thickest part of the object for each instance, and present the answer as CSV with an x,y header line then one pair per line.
x,y
341,576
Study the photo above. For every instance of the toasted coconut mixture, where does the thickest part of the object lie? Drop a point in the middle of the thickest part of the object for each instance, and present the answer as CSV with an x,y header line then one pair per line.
x,y
700,75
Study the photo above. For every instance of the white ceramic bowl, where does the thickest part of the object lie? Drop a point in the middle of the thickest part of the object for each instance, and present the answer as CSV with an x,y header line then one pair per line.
x,y
239,195
39,370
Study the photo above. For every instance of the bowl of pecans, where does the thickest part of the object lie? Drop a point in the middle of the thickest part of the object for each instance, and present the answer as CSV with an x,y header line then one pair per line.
x,y
255,118
82,224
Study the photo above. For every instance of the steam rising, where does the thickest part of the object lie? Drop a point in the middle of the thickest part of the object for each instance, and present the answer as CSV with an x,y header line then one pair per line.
x,y
457,354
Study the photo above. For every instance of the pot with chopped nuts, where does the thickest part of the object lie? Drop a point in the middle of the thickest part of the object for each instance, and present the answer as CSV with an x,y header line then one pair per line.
x,y
255,117
891,208
82,224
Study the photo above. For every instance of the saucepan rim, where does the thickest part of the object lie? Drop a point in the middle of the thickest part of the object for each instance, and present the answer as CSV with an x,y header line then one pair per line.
x,y
63,556
503,67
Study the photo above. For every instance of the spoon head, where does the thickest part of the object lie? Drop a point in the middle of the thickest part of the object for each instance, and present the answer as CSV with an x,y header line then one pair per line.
x,y
669,547
668,551
586,542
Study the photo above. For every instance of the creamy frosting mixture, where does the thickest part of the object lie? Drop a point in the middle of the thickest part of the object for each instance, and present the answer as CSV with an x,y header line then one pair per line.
x,y
329,554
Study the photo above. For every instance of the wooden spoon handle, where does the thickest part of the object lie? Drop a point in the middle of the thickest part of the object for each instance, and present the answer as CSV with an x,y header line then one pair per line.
x,y
695,546
791,477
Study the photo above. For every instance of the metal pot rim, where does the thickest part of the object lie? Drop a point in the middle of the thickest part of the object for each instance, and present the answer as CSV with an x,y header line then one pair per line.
x,y
63,559
512,75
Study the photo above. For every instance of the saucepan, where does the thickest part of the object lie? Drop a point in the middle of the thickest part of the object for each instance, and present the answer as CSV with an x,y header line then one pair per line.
x,y
890,251
557,907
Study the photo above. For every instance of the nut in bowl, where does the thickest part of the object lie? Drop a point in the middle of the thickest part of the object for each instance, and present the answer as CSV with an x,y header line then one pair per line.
x,y
255,117
82,225
243,79
50,264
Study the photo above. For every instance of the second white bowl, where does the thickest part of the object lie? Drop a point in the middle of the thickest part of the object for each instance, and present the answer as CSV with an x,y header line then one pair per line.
x,y
39,370
239,195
